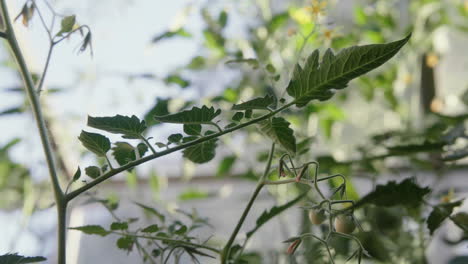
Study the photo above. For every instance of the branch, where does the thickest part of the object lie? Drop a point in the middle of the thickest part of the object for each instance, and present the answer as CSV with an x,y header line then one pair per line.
x,y
130,165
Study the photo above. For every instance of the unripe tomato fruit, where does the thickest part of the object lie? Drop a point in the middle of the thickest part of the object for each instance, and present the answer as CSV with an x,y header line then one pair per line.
x,y
317,217
344,224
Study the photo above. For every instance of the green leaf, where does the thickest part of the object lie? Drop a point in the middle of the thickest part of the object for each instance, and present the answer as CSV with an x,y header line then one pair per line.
x,y
130,127
124,152
278,130
193,130
440,213
195,115
193,194
125,243
96,143
317,80
238,116
77,174
251,62
175,138
159,109
277,21
150,229
225,166
177,79
152,211
14,258
461,220
119,226
93,171
415,148
270,68
67,24
406,193
170,34
223,18
92,230
257,103
203,152
267,215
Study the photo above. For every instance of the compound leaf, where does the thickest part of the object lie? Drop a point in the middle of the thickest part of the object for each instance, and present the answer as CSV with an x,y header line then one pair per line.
x,y
202,152
278,130
317,80
195,115
96,143
257,103
129,127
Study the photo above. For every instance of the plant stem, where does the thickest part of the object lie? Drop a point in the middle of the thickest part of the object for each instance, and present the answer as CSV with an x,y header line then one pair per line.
x,y
148,144
170,240
40,122
260,184
132,164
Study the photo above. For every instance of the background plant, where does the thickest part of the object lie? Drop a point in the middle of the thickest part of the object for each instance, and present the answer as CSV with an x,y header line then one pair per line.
x,y
196,118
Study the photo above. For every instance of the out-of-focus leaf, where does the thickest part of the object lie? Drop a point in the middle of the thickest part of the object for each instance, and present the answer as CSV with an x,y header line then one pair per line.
x,y
96,143
374,245
152,211
119,226
92,230
13,110
197,63
195,115
67,24
223,19
225,165
461,220
278,130
257,103
125,243
251,62
440,213
170,34
414,148
151,229
202,152
14,258
159,109
406,193
319,80
177,79
193,194
129,127
238,116
277,21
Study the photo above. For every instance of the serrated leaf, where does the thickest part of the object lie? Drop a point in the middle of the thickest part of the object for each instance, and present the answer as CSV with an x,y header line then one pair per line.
x,y
278,130
92,230
225,165
195,115
125,243
159,109
257,103
406,193
14,258
440,213
150,229
193,130
93,171
129,127
119,226
124,152
152,211
175,138
317,80
77,174
96,143
202,152
267,215
238,116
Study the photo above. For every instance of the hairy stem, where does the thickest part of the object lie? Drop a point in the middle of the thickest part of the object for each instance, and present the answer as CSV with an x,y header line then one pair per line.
x,y
40,122
260,184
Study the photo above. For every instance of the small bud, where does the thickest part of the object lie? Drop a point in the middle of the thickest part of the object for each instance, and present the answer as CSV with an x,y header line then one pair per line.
x,y
292,248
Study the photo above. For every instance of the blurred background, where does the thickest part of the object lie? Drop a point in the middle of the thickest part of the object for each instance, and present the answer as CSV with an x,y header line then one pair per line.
x,y
157,57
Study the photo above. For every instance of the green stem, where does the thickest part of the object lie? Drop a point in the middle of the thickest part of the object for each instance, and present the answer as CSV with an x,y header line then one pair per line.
x,y
147,143
132,164
227,248
40,122
165,239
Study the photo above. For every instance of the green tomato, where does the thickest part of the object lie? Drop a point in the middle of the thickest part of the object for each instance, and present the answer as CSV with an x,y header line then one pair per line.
x,y
344,224
317,217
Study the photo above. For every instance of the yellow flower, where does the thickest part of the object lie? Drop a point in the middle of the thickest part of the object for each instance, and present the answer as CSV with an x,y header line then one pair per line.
x,y
317,8
432,60
330,33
